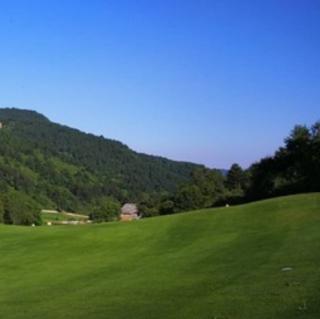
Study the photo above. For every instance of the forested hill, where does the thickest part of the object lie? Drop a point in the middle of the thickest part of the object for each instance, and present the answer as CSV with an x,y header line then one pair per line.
x,y
60,167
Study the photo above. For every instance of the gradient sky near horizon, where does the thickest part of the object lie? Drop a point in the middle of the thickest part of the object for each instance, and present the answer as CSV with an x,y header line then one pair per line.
x,y
208,81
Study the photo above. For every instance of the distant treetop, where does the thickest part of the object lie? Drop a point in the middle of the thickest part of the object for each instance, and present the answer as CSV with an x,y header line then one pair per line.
x,y
14,114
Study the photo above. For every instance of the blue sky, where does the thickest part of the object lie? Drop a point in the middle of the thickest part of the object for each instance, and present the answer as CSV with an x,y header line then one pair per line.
x,y
209,81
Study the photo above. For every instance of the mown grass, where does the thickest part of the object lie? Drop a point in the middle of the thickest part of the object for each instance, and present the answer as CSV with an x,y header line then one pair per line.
x,y
215,264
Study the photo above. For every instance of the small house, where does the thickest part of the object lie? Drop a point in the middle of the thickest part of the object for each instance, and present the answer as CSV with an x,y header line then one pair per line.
x,y
129,212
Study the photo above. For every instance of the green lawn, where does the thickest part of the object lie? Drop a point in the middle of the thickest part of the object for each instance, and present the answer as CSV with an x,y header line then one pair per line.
x,y
215,264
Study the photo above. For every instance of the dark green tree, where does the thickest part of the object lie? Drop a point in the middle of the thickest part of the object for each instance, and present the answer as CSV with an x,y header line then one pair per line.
x,y
237,183
294,168
20,209
235,179
105,210
189,197
167,207
1,211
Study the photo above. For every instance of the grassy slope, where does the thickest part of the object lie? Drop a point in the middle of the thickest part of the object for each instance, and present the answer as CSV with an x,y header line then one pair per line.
x,y
221,263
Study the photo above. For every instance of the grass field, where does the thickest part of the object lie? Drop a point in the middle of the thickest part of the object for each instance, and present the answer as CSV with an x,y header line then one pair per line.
x,y
222,263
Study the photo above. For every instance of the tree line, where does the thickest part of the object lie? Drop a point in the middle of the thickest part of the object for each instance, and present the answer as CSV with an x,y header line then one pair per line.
x,y
294,168
46,165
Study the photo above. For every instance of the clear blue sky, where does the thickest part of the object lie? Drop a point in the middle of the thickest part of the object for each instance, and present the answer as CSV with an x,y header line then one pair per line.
x,y
209,81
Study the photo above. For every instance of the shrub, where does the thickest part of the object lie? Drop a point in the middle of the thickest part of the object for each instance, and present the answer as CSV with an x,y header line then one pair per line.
x,y
105,210
20,209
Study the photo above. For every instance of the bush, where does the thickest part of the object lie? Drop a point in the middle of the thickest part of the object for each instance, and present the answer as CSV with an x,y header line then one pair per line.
x,y
20,209
1,211
106,210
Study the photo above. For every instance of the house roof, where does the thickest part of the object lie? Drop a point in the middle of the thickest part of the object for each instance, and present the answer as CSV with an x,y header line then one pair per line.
x,y
129,209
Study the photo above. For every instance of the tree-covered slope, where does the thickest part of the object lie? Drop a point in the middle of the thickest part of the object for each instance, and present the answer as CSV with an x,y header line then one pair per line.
x,y
256,261
61,167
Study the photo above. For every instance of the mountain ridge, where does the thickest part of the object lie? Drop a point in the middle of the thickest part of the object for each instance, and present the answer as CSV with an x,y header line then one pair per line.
x,y
14,114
